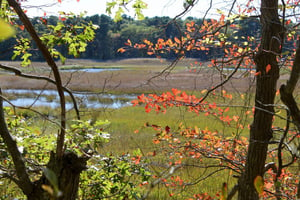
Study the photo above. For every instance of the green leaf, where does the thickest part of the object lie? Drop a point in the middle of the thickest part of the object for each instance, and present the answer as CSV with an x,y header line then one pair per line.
x,y
6,31
52,178
259,184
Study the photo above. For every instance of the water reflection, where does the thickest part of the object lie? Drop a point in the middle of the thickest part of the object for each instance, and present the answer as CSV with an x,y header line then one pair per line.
x,y
50,98
90,70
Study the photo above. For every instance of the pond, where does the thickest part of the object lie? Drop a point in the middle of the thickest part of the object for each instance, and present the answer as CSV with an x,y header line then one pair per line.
x,y
49,98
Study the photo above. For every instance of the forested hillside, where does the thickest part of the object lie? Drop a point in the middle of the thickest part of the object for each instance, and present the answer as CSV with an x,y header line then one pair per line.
x,y
110,36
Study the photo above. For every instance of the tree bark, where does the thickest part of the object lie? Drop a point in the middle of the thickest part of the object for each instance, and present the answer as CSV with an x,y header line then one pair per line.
x,y
261,128
68,169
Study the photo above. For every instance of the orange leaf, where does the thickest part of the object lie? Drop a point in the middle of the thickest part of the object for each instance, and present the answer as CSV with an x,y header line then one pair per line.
x,y
222,17
121,50
22,27
268,68
177,40
257,73
128,43
150,53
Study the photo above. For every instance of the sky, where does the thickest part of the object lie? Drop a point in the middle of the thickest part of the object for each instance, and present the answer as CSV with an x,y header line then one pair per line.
x,y
155,7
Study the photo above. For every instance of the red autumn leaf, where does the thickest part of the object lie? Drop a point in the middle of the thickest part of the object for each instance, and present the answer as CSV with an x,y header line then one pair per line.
x,y
176,91
121,50
59,1
22,27
167,129
222,17
257,73
268,68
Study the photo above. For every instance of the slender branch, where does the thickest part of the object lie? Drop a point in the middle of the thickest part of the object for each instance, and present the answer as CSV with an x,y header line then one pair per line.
x,y
164,175
19,73
28,108
233,192
286,90
186,9
29,27
24,182
222,83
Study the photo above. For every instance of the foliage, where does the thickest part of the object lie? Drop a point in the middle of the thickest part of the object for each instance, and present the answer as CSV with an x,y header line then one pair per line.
x,y
117,177
137,5
6,30
73,36
114,177
85,137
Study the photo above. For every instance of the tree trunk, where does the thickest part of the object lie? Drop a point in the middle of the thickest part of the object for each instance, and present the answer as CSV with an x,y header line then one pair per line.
x,y
261,128
68,169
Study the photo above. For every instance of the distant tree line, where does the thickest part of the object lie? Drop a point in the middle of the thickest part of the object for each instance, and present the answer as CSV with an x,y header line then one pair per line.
x,y
110,36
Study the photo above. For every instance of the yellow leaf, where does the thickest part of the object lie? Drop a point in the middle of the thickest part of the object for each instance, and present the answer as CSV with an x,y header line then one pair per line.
x,y
240,50
203,91
48,189
6,31
259,185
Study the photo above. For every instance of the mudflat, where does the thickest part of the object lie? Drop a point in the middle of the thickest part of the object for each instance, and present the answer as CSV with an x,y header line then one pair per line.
x,y
129,76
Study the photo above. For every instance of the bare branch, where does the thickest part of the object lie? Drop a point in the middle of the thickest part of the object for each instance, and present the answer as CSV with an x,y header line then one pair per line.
x,y
286,90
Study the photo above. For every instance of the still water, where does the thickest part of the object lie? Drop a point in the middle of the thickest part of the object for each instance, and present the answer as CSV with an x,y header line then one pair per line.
x,y
50,98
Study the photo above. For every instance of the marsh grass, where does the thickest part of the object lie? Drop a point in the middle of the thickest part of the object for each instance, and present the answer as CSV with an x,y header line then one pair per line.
x,y
126,120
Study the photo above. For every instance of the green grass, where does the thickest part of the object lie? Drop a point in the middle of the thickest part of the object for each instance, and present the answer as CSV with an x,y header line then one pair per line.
x,y
126,120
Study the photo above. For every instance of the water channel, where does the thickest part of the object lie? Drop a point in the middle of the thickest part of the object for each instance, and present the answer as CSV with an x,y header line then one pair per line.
x,y
89,70
49,98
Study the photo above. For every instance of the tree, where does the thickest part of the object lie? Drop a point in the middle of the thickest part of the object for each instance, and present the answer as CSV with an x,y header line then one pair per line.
x,y
253,168
63,166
